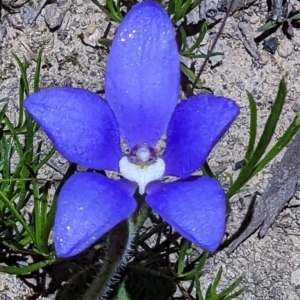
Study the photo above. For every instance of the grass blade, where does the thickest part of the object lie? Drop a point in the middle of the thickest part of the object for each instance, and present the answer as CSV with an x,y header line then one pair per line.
x,y
182,254
253,126
281,144
190,75
27,269
263,143
22,68
16,214
271,124
37,74
199,39
44,160
40,215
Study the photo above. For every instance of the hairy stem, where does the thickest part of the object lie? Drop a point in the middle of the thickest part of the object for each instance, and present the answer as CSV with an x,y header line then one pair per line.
x,y
120,248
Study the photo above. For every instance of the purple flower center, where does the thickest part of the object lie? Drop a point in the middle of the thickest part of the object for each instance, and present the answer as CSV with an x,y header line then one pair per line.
x,y
142,155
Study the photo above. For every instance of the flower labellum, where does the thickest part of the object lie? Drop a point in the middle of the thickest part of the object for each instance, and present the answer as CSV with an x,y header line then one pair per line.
x,y
142,92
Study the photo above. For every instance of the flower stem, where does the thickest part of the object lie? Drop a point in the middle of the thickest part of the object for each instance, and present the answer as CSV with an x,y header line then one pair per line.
x,y
120,248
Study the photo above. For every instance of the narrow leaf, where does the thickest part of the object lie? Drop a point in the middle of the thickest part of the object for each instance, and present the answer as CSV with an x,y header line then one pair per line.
x,y
190,75
280,145
27,269
16,214
36,84
22,68
253,126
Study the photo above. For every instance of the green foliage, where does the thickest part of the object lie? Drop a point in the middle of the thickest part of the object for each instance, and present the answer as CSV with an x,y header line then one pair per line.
x,y
111,9
255,157
287,23
21,231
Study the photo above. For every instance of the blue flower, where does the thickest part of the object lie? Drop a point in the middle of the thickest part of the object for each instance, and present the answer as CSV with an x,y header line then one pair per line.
x,y
142,92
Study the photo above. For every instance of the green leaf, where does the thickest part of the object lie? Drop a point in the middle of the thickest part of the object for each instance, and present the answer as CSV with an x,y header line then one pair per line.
x,y
196,272
267,26
264,141
2,112
207,170
295,17
6,152
21,108
44,160
103,8
17,142
198,41
190,75
183,38
105,42
16,214
182,254
36,84
15,177
184,8
109,10
271,124
114,12
225,294
253,127
177,8
171,6
27,269
204,55
198,290
217,279
280,145
40,216
23,68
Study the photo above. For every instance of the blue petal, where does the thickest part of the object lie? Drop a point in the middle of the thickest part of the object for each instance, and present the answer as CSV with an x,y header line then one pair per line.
x,y
195,207
142,75
80,124
197,124
89,205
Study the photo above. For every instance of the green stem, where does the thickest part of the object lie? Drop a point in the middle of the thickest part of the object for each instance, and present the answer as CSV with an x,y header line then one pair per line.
x,y
120,247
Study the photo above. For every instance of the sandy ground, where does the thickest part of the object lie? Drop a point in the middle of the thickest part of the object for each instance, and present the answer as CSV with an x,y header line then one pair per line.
x,y
271,266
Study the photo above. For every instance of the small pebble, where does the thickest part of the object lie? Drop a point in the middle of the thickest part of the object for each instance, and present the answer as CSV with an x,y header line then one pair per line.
x,y
91,29
53,16
74,25
254,20
264,57
3,32
285,48
271,45
238,165
295,277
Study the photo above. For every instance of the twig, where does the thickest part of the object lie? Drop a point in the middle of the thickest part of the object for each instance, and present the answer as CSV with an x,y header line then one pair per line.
x,y
240,29
209,53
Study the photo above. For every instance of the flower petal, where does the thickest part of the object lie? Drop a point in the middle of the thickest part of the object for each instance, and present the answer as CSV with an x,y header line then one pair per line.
x,y
195,207
142,75
197,124
89,205
80,124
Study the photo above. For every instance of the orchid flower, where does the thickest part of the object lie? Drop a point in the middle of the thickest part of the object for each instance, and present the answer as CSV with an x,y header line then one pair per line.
x,y
142,95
